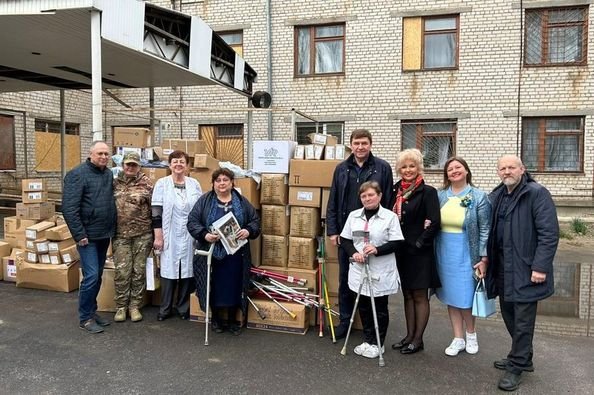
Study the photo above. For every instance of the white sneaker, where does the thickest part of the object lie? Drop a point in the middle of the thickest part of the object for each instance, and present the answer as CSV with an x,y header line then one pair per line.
x,y
360,349
455,347
372,351
471,343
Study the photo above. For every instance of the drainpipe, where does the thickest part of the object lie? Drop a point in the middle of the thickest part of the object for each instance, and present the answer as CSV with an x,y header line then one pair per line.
x,y
96,74
269,65
62,138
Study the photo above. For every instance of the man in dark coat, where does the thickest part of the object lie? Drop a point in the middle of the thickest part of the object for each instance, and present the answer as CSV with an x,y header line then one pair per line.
x,y
521,248
89,210
359,167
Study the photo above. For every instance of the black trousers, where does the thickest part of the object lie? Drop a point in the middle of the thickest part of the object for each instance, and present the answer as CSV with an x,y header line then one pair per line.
x,y
185,286
346,297
366,313
519,319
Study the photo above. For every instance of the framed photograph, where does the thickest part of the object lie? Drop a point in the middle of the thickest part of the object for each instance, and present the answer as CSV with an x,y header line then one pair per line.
x,y
227,228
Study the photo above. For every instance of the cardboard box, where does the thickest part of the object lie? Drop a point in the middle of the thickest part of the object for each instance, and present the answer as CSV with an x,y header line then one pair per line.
x,y
332,269
62,278
58,246
310,153
308,173
331,249
299,152
275,220
44,258
277,320
204,177
275,189
305,196
33,185
248,188
205,161
309,275
5,248
323,139
34,197
329,152
190,147
9,267
16,240
41,246
341,152
132,137
17,225
325,198
256,251
36,211
272,156
37,231
302,253
305,222
31,257
57,233
55,258
156,173
198,315
275,250
106,296
69,254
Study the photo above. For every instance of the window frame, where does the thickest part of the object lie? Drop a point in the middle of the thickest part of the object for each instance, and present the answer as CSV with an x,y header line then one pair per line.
x,y
72,129
312,49
544,29
230,32
445,31
12,166
419,135
541,149
321,126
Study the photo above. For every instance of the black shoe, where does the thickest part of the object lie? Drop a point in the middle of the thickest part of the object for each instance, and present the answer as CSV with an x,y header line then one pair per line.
x,y
91,326
184,316
217,327
162,317
502,364
510,381
101,321
341,331
411,348
235,330
401,344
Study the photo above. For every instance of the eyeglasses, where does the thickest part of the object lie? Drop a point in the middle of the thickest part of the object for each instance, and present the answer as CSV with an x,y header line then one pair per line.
x,y
131,164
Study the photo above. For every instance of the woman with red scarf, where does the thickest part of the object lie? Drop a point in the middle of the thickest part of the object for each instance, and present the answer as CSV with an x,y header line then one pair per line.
x,y
417,207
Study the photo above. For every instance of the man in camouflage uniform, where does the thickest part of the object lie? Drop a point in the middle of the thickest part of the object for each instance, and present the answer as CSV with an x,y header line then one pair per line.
x,y
134,237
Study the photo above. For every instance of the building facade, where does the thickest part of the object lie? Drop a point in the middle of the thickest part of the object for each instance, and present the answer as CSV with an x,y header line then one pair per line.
x,y
474,79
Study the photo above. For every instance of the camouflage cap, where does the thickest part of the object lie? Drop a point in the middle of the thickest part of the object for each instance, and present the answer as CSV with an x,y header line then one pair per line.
x,y
131,157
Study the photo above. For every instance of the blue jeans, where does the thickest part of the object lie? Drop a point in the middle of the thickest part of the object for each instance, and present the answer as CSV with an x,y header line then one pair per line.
x,y
92,261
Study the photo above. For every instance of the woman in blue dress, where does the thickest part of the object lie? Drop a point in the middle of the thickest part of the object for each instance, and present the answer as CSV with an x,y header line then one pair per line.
x,y
230,273
461,250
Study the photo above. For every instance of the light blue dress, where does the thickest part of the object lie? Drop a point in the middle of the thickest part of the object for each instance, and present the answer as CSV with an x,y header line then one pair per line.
x,y
454,264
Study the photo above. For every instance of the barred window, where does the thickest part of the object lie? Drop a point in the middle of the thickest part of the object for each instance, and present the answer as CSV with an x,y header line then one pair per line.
x,y
435,140
556,36
335,129
553,144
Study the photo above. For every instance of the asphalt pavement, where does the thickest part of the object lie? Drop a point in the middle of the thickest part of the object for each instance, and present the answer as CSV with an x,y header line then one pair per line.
x,y
42,351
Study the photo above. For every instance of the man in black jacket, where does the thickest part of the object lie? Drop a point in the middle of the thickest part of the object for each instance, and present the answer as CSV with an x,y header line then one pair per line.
x,y
89,210
359,167
521,247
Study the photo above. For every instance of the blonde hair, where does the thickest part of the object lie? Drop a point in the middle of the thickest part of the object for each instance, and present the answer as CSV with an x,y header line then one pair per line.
x,y
411,154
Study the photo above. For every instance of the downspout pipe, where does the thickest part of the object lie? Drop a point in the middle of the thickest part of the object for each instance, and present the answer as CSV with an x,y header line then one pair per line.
x,y
269,65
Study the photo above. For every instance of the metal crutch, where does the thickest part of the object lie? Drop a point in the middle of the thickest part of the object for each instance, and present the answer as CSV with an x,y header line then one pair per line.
x,y
365,277
208,255
376,325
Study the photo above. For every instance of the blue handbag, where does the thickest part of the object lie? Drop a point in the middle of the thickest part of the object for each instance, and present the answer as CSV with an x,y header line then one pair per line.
x,y
482,306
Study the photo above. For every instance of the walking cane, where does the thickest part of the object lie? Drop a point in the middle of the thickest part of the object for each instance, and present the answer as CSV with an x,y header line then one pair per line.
x,y
208,255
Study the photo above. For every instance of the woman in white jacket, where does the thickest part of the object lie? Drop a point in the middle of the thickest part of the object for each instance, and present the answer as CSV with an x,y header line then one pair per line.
x,y
372,232
173,199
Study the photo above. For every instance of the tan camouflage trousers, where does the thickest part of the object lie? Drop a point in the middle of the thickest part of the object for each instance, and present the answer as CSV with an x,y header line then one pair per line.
x,y
129,256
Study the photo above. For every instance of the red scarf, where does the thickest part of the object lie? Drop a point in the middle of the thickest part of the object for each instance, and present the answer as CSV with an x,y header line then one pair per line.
x,y
404,191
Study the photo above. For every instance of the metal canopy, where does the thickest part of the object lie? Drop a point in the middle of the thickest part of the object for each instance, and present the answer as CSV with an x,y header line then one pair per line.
x,y
142,45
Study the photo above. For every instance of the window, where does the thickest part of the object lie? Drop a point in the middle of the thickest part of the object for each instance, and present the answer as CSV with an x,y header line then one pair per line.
x,y
333,129
553,144
556,36
319,50
55,127
7,148
234,39
430,42
435,140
